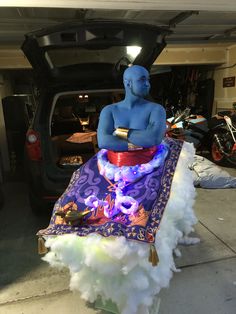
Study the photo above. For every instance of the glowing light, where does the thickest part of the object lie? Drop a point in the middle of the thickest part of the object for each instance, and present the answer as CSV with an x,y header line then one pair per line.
x,y
133,51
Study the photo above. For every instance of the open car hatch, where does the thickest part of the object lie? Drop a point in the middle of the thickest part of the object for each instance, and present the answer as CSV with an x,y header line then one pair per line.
x,y
92,50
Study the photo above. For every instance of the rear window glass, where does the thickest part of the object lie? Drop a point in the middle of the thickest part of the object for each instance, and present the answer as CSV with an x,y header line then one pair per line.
x,y
80,112
69,56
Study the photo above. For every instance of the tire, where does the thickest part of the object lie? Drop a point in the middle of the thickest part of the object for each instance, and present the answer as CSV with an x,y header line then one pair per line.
x,y
1,198
38,206
218,157
232,160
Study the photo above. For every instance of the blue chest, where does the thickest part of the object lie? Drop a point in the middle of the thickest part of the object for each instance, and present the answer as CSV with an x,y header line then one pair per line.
x,y
138,119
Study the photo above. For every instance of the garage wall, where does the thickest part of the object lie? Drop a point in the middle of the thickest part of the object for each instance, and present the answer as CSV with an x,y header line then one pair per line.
x,y
13,58
192,54
225,96
223,55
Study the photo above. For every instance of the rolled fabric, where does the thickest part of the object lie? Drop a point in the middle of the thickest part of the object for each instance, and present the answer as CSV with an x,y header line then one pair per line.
x,y
131,158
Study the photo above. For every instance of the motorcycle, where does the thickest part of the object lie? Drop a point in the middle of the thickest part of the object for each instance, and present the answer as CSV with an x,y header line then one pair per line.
x,y
223,143
217,136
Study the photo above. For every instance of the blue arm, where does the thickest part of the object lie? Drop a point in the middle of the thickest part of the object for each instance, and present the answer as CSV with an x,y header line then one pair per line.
x,y
154,133
105,131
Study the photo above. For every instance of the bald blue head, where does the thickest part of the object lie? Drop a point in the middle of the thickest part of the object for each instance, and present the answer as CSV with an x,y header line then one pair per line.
x,y
136,81
135,70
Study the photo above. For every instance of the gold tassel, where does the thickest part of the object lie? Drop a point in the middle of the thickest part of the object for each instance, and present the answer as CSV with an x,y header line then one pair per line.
x,y
41,246
153,257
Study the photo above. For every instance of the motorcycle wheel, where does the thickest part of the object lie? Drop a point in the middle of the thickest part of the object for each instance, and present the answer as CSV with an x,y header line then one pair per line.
x,y
219,158
216,155
232,160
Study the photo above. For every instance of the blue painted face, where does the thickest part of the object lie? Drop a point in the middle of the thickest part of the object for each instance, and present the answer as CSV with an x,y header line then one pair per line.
x,y
140,86
137,80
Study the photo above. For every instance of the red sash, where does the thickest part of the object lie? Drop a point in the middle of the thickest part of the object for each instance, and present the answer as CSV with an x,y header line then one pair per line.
x,y
131,158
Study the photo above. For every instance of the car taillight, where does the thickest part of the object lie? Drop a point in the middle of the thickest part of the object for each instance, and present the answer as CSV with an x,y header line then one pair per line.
x,y
33,146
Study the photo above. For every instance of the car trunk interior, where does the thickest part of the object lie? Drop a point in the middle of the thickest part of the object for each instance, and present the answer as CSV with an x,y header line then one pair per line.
x,y
73,125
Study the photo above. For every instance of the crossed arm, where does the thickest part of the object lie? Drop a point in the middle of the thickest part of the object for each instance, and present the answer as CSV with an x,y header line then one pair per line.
x,y
105,136
150,136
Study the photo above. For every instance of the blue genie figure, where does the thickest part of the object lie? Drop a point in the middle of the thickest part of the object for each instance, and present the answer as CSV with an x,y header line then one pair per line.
x,y
131,131
124,207
133,123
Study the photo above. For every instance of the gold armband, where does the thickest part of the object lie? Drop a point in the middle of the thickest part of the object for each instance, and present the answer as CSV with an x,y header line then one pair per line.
x,y
133,147
122,133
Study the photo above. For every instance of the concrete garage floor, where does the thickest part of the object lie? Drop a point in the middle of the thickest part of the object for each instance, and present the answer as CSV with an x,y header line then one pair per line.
x,y
206,284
